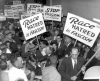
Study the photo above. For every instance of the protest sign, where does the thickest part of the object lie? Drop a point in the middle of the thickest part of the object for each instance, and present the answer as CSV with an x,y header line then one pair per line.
x,y
81,29
52,13
40,10
16,2
15,12
61,8
32,13
9,13
7,7
33,26
25,16
20,7
32,7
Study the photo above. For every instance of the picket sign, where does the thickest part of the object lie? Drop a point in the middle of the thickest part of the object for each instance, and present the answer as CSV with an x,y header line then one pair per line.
x,y
16,2
40,10
9,13
33,26
52,13
32,13
25,16
20,7
32,7
81,29
15,12
61,8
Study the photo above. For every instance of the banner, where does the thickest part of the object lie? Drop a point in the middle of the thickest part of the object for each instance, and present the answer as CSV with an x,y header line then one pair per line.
x,y
32,7
52,13
33,26
20,7
81,29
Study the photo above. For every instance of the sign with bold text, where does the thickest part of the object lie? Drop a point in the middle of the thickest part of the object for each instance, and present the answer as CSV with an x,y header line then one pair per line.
x,y
81,29
33,26
52,13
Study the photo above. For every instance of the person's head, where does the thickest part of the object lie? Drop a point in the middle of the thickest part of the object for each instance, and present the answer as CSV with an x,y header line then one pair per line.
x,y
54,44
9,35
74,53
59,38
44,43
53,59
3,57
3,65
67,40
79,44
17,61
11,26
56,32
49,50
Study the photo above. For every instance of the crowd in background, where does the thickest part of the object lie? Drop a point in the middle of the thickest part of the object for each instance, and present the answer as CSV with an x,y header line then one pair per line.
x,y
25,60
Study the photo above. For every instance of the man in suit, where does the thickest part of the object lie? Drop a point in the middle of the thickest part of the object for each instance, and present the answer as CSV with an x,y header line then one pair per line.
x,y
68,46
60,47
70,66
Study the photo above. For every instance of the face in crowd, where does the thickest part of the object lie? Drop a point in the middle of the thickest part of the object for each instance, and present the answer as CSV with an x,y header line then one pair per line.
x,y
56,32
67,40
74,53
18,62
59,38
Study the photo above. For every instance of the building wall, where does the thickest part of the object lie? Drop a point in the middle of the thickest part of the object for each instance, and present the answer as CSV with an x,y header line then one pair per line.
x,y
85,8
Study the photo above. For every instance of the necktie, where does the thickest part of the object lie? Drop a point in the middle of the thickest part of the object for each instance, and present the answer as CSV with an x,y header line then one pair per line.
x,y
75,67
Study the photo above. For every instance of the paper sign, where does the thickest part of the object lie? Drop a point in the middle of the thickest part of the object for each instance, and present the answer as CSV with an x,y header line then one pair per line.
x,y
40,10
52,13
25,16
32,13
20,7
15,12
9,13
32,7
33,26
7,7
16,2
81,29
59,7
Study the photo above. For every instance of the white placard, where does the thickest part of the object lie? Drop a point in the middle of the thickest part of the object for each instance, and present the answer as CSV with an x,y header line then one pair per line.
x,y
9,13
52,13
32,7
15,12
33,26
25,16
59,7
20,7
16,2
32,13
40,10
81,29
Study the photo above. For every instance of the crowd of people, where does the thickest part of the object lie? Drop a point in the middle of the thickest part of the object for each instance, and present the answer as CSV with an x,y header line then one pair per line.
x,y
51,55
